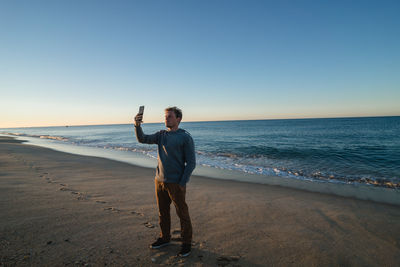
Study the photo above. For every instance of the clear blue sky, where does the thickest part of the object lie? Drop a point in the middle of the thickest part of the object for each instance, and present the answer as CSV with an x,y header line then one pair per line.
x,y
95,62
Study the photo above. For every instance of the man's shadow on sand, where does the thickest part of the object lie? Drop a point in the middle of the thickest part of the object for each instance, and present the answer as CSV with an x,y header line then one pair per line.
x,y
199,256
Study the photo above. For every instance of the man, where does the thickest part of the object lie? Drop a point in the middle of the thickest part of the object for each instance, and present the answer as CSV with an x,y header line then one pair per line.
x,y
176,161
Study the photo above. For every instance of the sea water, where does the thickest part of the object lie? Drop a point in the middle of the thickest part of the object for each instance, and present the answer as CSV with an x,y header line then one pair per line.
x,y
337,150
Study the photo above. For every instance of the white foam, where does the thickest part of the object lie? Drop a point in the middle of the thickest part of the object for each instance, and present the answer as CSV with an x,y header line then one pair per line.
x,y
59,138
252,174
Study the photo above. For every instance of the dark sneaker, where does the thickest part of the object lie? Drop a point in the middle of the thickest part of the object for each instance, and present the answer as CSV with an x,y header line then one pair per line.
x,y
159,243
185,250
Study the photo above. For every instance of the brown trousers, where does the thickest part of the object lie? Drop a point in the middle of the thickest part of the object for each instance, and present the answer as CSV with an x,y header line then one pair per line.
x,y
167,193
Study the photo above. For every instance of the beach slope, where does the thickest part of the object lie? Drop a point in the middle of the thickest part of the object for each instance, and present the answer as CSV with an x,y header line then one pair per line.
x,y
62,209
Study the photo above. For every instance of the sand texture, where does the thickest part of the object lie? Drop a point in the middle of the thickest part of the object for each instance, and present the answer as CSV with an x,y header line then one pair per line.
x,y
60,209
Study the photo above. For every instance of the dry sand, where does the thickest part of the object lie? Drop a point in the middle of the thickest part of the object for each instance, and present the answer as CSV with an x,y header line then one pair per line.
x,y
62,209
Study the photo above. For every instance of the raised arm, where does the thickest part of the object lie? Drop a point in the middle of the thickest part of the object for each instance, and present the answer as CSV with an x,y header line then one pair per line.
x,y
140,136
146,138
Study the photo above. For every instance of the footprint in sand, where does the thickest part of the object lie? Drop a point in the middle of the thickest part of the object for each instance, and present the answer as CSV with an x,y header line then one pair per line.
x,y
50,181
82,196
101,202
149,225
64,189
225,260
165,259
158,257
112,209
137,213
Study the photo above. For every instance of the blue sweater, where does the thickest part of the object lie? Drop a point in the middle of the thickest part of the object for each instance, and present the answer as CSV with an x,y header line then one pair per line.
x,y
176,156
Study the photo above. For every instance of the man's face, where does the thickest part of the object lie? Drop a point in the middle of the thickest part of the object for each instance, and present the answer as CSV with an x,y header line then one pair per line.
x,y
171,120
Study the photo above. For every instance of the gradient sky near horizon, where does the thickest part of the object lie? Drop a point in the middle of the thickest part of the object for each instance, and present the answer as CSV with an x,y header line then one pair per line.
x,y
95,62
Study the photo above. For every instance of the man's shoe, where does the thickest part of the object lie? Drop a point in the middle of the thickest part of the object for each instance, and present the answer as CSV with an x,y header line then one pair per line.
x,y
185,250
159,243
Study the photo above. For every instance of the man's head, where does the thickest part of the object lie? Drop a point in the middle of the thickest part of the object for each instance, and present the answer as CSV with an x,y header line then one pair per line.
x,y
173,117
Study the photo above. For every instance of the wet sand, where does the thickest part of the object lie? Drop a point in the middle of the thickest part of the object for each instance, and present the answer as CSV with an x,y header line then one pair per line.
x,y
60,209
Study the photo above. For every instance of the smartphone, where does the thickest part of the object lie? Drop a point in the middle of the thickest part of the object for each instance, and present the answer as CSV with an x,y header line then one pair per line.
x,y
141,110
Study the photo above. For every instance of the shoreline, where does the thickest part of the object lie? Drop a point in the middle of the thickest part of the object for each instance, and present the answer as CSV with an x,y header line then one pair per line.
x,y
357,191
61,209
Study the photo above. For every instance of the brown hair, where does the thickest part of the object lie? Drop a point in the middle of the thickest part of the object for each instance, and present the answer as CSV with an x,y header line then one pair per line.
x,y
177,111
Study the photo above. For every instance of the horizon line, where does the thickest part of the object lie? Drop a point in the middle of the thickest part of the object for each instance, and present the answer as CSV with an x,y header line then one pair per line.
x,y
311,118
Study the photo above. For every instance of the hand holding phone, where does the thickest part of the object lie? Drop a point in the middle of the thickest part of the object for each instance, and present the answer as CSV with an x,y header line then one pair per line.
x,y
141,110
139,116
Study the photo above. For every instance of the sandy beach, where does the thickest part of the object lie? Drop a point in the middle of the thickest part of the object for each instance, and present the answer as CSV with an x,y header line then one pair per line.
x,y
60,209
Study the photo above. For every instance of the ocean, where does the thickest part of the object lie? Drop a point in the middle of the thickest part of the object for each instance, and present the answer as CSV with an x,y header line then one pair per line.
x,y
350,151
